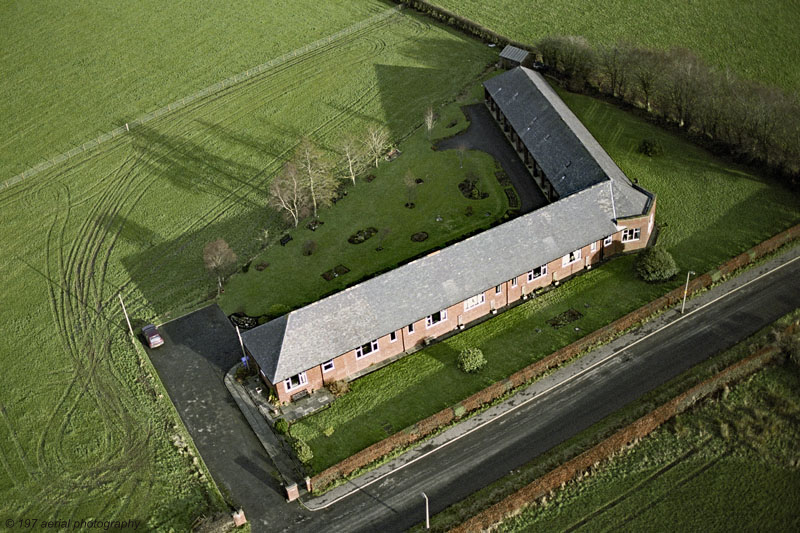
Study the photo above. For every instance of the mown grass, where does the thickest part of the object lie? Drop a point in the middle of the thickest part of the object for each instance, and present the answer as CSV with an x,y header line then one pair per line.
x,y
730,464
758,41
700,205
83,431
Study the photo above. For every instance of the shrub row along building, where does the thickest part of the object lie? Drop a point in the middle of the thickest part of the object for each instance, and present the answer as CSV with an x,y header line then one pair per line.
x,y
595,212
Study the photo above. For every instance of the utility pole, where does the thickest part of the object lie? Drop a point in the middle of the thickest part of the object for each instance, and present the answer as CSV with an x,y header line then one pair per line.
x,y
427,512
686,289
125,311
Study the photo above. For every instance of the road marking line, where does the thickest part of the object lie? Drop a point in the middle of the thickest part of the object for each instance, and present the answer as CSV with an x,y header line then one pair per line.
x,y
537,396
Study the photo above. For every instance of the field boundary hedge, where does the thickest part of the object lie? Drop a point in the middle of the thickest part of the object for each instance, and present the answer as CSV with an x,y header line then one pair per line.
x,y
462,23
426,427
624,438
202,93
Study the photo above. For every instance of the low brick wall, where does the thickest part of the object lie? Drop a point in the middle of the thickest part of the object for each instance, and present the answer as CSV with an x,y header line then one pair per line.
x,y
639,429
427,426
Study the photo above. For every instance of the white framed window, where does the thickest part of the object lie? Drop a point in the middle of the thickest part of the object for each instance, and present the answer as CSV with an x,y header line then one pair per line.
x,y
296,381
572,257
327,366
498,289
393,336
513,282
366,349
608,240
594,246
631,234
475,301
435,318
537,272
411,328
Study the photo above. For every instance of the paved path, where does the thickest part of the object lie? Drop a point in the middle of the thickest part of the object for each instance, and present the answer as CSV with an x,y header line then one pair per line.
x,y
485,135
199,349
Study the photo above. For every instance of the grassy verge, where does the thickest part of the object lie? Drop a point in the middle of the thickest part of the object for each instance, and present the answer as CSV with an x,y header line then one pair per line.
x,y
765,36
700,201
498,490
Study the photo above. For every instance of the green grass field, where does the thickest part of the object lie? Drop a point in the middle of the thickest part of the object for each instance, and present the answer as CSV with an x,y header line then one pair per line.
x,y
701,201
72,71
84,432
757,40
727,465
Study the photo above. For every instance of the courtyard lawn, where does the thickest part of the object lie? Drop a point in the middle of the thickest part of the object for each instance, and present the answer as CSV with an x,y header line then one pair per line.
x,y
756,40
84,432
708,211
440,211
730,464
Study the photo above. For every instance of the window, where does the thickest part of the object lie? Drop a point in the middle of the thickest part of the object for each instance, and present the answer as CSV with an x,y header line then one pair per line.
x,y
631,234
295,381
650,224
365,350
513,282
392,336
594,246
435,318
537,272
571,257
411,328
607,241
498,289
475,301
327,366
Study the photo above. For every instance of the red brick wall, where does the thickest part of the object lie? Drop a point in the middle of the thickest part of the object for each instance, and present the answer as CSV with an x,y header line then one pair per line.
x,y
314,376
347,364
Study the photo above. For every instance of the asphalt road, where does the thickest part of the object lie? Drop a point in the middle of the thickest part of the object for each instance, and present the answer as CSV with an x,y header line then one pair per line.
x,y
478,458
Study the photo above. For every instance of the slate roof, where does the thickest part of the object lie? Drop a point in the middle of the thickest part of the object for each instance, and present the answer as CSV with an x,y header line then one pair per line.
x,y
325,329
569,155
512,53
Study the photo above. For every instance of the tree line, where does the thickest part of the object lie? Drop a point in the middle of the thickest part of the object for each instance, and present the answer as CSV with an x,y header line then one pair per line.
x,y
755,123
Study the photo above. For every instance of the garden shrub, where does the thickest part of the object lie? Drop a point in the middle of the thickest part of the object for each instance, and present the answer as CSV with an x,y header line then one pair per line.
x,y
651,148
281,426
302,450
471,360
276,310
338,388
656,264
309,247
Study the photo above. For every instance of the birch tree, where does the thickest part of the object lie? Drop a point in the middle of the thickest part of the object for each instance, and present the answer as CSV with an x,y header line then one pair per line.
x,y
288,193
377,142
218,258
317,173
430,120
353,156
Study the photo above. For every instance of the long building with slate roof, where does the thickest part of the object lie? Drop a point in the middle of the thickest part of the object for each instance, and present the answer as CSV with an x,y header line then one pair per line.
x,y
595,212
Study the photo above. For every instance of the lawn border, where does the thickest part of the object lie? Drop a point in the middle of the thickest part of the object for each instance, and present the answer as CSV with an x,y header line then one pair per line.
x,y
630,435
404,438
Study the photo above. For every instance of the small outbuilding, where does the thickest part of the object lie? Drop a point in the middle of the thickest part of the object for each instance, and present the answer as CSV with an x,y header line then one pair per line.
x,y
511,57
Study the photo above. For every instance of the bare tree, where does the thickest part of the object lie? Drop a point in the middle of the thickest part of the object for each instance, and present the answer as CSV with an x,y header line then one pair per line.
x,y
682,85
646,69
376,142
218,258
317,173
614,67
430,120
289,193
353,156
